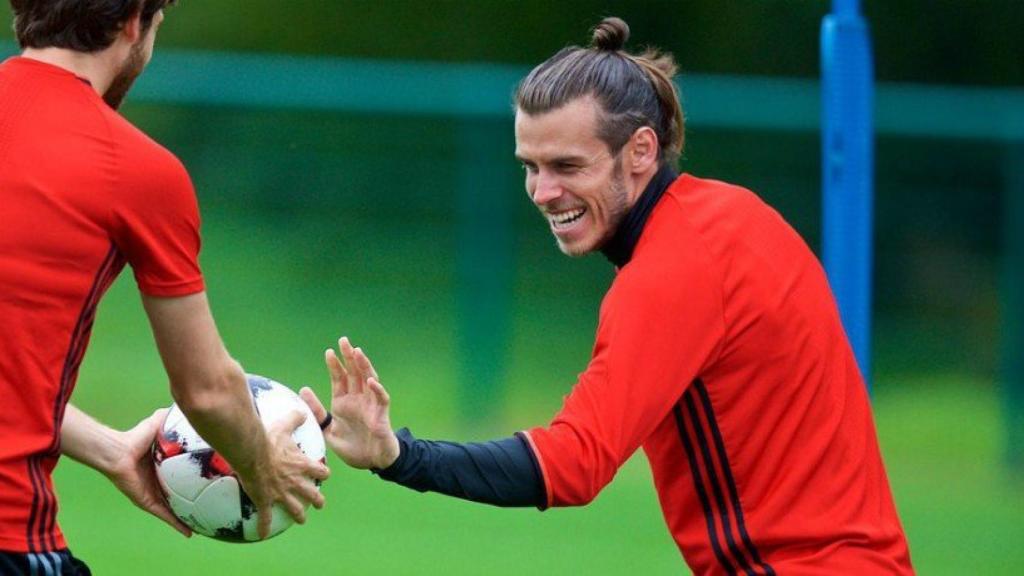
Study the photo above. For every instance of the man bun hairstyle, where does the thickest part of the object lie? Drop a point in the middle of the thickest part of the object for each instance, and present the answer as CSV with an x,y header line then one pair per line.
x,y
80,25
610,35
633,90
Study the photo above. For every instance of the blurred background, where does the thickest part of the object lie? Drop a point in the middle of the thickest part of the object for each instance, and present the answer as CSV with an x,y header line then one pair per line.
x,y
353,161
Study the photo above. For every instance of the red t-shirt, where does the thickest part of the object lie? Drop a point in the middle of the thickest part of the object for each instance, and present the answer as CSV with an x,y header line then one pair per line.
x,y
82,192
720,351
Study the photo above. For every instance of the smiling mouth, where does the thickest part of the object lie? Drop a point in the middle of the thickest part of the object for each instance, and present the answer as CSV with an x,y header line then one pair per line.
x,y
565,219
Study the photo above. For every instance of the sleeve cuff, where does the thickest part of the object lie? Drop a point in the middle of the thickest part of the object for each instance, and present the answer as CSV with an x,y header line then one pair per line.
x,y
544,487
394,471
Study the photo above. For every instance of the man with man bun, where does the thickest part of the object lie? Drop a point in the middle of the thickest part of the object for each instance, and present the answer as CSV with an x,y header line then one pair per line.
x,y
83,193
719,349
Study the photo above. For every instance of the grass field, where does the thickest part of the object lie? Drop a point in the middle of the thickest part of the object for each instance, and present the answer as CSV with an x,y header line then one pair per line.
x,y
283,293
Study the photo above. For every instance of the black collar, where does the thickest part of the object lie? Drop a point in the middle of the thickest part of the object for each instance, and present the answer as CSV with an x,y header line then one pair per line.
x,y
620,248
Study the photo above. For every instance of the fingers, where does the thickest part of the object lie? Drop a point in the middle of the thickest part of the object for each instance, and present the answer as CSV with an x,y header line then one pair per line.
x,y
317,500
285,427
378,390
294,508
156,420
310,493
164,513
351,371
150,425
345,346
317,470
152,499
356,380
291,421
309,397
339,377
265,516
365,366
383,400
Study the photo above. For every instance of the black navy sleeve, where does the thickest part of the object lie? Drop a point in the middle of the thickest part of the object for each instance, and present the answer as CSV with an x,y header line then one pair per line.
x,y
500,472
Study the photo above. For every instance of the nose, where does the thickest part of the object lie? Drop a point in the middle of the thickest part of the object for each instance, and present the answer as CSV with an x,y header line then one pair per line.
x,y
545,189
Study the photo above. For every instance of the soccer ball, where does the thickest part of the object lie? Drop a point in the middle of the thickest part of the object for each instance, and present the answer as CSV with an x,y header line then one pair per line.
x,y
200,486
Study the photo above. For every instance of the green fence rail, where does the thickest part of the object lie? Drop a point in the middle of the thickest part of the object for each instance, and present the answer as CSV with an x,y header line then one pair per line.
x,y
485,90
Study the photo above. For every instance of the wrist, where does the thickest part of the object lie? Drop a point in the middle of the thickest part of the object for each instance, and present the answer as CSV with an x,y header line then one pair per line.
x,y
252,468
256,462
390,454
394,456
108,458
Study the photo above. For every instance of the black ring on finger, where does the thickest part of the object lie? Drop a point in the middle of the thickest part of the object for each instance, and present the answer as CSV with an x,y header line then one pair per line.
x,y
327,421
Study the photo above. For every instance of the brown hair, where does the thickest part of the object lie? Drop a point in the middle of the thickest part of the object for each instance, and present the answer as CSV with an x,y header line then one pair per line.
x,y
81,25
633,90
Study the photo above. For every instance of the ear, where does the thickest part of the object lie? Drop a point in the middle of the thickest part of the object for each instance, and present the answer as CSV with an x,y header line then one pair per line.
x,y
132,29
642,150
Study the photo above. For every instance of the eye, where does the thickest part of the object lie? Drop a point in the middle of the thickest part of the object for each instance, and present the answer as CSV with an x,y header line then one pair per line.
x,y
566,167
529,167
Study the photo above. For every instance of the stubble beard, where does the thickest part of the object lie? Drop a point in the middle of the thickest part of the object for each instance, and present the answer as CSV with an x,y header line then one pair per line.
x,y
618,204
125,77
617,207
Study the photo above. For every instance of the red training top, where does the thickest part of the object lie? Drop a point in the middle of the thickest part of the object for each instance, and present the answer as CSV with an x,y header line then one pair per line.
x,y
720,351
82,192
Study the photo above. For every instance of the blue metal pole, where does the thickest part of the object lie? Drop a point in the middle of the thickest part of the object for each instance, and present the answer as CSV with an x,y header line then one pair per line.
x,y
846,7
848,170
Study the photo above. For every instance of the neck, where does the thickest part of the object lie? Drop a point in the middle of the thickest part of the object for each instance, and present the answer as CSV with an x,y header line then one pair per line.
x,y
619,249
99,68
640,183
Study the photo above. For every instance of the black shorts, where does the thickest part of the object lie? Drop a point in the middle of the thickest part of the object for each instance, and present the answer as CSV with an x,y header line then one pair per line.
x,y
59,563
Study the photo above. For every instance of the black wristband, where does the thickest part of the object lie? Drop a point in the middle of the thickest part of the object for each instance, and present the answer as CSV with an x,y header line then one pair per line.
x,y
327,421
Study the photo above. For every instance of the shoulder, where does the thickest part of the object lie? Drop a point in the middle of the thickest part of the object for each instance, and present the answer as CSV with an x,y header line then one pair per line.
x,y
725,217
150,181
674,242
672,262
144,160
703,197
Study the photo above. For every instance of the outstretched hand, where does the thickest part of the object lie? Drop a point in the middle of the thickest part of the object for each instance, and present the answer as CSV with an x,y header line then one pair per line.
x,y
360,430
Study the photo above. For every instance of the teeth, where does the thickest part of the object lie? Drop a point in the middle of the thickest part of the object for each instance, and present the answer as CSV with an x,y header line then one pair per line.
x,y
568,216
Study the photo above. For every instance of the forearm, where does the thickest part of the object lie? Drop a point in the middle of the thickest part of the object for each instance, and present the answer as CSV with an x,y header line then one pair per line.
x,y
226,418
501,472
208,385
86,440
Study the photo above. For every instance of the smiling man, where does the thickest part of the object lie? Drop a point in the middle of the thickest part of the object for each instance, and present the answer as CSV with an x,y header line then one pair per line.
x,y
719,349
572,176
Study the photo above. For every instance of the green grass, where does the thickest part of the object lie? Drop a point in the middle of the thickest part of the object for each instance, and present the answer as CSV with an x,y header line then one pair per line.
x,y
942,442
283,293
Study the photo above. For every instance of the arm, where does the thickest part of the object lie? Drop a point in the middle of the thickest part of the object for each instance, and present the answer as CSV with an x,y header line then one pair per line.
x,y
154,221
661,326
502,472
211,390
123,457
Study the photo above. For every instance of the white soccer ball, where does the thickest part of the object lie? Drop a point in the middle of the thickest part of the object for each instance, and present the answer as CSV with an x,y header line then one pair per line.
x,y
200,486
